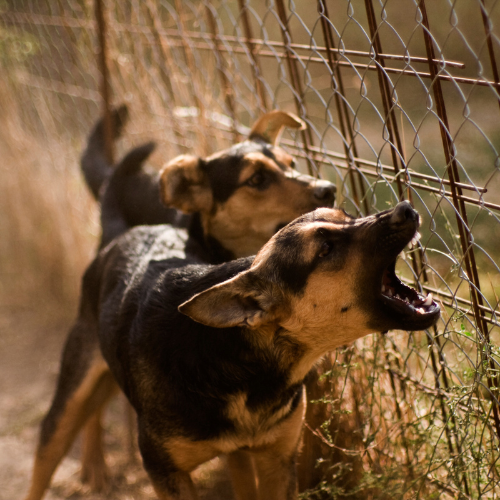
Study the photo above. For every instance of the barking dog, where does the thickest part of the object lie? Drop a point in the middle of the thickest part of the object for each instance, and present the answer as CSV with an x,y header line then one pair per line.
x,y
238,197
213,357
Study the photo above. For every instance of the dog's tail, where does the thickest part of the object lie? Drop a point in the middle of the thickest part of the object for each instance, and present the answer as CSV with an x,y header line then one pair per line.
x,y
95,167
118,197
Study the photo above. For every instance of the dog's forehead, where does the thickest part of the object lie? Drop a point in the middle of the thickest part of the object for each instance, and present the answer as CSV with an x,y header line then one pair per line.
x,y
314,227
256,160
329,219
282,156
334,216
249,150
240,150
298,239
225,168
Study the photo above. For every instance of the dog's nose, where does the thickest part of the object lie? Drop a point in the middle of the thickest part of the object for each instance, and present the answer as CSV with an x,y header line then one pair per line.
x,y
324,191
403,212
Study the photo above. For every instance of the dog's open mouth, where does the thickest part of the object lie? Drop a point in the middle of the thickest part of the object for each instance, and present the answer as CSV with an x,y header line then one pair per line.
x,y
403,298
396,306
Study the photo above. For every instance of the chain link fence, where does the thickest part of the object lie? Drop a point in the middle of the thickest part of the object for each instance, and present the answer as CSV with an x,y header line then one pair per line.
x,y
402,101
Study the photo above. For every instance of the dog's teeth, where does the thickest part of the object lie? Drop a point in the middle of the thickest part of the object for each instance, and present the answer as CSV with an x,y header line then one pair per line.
x,y
415,239
390,292
397,296
421,310
407,300
383,288
428,300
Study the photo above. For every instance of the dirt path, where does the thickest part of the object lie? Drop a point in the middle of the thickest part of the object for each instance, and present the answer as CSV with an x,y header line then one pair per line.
x,y
29,359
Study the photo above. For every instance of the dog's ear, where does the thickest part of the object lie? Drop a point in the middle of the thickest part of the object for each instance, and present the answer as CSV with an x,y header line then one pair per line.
x,y
241,301
270,126
184,185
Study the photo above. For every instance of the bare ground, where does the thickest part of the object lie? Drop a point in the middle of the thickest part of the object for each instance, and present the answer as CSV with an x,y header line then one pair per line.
x,y
30,347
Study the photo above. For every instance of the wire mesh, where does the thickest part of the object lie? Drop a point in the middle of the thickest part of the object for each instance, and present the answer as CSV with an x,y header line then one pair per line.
x,y
401,100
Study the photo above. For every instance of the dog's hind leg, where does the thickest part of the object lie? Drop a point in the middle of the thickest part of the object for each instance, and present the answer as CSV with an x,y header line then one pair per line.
x,y
242,472
84,385
94,469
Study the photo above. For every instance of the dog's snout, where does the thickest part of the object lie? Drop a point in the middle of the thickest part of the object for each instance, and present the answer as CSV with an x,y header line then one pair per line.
x,y
403,212
324,191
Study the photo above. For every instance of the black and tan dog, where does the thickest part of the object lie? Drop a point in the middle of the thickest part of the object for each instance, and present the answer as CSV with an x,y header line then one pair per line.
x,y
213,357
237,198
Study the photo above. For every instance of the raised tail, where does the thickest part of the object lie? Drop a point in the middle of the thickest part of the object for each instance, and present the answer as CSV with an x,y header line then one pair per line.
x,y
95,167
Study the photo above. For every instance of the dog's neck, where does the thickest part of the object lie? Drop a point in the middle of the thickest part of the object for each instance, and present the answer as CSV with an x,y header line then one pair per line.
x,y
277,345
210,249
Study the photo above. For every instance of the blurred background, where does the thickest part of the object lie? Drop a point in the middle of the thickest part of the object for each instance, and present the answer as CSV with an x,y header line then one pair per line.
x,y
401,99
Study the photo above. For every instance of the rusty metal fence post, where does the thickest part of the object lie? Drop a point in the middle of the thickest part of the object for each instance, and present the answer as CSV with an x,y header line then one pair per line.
x,y
104,85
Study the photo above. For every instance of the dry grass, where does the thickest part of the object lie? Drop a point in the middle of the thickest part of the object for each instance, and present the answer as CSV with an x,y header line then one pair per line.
x,y
48,221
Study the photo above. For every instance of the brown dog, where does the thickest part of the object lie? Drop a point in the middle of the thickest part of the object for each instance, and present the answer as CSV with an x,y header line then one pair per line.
x,y
213,357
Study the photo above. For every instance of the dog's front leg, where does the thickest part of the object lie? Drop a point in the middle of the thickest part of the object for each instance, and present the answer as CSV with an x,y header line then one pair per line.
x,y
242,471
277,477
176,486
168,481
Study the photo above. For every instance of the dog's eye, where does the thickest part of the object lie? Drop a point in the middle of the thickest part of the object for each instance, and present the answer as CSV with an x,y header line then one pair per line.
x,y
325,249
293,163
256,180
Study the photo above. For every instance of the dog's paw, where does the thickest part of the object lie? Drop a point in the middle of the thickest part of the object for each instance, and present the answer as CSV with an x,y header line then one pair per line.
x,y
95,473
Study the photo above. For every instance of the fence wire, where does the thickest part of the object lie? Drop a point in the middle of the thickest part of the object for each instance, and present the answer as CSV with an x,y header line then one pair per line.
x,y
402,101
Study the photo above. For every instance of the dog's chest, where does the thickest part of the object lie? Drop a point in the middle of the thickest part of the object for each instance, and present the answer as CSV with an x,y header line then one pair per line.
x,y
252,429
253,426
